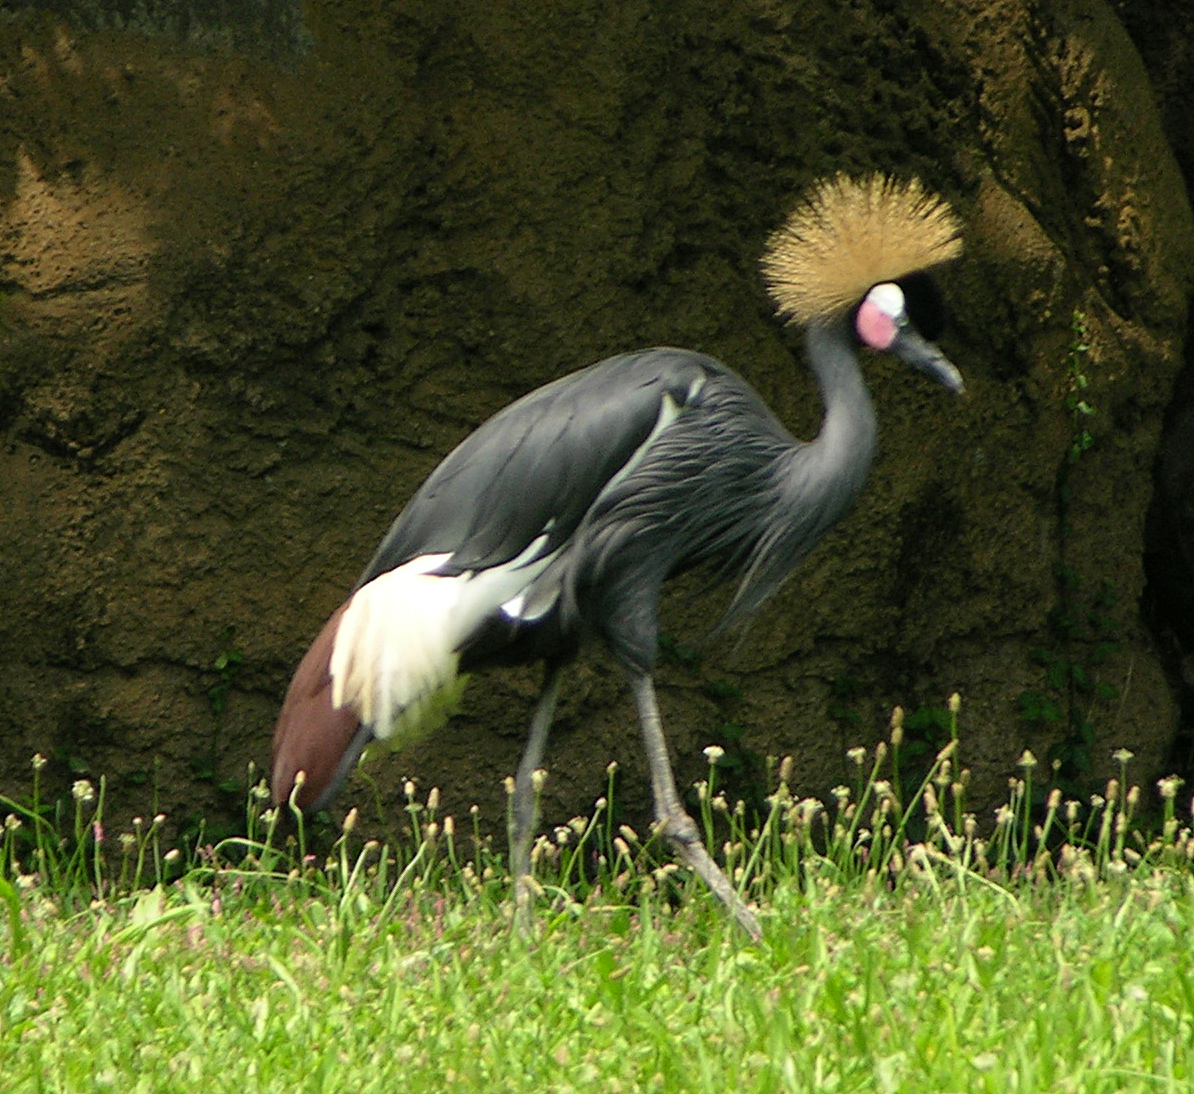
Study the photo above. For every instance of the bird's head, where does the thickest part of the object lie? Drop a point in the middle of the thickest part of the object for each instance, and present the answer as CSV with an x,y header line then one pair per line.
x,y
903,319
862,249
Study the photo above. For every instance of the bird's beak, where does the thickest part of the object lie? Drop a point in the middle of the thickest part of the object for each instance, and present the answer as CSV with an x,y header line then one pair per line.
x,y
911,348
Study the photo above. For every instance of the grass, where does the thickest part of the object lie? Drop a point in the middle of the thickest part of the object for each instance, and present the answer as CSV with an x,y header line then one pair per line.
x,y
902,952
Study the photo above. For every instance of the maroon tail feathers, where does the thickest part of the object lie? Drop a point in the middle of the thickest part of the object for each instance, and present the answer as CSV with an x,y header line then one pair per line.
x,y
311,735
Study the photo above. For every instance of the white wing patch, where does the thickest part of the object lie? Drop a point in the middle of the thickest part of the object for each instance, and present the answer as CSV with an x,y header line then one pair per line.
x,y
396,656
397,650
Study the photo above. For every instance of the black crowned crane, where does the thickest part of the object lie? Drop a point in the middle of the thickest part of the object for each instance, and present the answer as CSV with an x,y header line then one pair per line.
x,y
564,514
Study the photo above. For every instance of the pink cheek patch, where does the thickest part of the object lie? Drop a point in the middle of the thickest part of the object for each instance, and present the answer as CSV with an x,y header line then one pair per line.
x,y
875,327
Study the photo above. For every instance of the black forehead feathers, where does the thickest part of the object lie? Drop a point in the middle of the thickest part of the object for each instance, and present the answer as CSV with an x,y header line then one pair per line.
x,y
924,303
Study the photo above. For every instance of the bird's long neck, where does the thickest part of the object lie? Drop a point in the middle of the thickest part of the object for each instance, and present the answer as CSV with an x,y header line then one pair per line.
x,y
815,483
846,443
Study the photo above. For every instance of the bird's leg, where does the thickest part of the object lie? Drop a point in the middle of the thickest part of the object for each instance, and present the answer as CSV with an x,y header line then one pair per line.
x,y
524,804
674,822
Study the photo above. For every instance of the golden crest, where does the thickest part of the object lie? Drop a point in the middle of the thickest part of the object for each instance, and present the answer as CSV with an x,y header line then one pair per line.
x,y
851,234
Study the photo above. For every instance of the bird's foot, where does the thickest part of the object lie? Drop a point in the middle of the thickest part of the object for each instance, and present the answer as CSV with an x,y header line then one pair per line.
x,y
682,833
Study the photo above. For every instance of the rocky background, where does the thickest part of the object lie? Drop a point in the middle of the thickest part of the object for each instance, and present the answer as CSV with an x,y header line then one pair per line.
x,y
263,264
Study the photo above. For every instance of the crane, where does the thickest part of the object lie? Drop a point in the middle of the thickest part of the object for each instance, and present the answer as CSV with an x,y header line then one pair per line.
x,y
562,516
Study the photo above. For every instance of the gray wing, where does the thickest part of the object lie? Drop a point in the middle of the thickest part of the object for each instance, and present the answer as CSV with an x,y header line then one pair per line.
x,y
538,465
724,483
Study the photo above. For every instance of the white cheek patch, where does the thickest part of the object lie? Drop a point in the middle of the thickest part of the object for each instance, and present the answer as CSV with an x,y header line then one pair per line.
x,y
889,297
881,315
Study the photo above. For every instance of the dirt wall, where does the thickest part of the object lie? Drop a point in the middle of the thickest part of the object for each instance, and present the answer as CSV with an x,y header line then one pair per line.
x,y
252,289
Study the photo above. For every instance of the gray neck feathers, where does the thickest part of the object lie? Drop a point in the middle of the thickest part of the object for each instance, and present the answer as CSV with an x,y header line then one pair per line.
x,y
815,483
846,444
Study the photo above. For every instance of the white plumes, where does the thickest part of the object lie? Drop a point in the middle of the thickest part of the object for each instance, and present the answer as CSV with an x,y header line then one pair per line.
x,y
397,649
392,651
